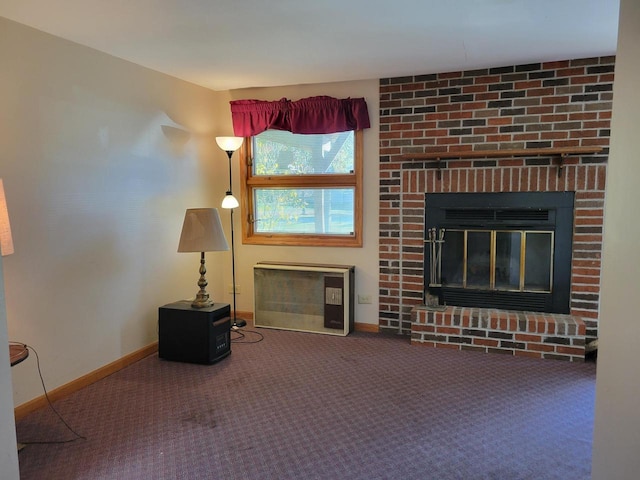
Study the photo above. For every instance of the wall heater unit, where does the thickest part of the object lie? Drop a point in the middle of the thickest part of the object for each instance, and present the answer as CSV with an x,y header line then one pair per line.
x,y
306,297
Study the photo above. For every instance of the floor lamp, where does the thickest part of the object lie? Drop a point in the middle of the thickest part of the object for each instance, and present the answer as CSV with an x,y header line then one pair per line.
x,y
230,145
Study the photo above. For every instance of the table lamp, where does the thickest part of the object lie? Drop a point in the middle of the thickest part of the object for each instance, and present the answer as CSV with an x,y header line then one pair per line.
x,y
202,232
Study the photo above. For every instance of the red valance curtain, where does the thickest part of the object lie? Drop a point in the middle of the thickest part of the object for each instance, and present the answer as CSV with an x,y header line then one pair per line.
x,y
312,115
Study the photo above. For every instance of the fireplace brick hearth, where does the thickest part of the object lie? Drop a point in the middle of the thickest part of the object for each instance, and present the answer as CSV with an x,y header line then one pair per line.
x,y
543,105
537,335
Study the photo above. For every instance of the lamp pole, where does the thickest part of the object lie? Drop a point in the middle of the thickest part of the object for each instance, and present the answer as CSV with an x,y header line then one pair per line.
x,y
236,322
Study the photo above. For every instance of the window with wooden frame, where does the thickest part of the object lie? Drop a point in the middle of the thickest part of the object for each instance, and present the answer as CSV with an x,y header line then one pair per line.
x,y
302,189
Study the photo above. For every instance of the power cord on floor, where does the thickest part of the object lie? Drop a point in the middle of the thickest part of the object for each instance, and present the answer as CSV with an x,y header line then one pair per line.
x,y
46,395
242,338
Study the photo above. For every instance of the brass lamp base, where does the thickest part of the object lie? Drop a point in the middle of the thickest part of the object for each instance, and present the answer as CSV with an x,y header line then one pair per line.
x,y
202,299
202,302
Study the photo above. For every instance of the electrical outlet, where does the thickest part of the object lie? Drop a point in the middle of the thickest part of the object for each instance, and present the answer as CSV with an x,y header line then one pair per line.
x,y
230,289
364,298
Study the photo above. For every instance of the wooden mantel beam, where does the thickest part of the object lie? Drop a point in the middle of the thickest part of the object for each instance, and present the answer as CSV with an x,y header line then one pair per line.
x,y
561,152
520,152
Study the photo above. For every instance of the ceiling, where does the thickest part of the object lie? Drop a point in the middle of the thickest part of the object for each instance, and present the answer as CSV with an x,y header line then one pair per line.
x,y
230,44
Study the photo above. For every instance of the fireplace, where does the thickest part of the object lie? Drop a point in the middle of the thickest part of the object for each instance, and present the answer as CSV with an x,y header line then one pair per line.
x,y
509,251
455,118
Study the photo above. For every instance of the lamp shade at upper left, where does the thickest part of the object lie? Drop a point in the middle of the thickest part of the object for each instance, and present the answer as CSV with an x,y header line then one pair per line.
x,y
6,241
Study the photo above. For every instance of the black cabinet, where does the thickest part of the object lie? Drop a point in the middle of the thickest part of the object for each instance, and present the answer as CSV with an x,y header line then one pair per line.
x,y
194,335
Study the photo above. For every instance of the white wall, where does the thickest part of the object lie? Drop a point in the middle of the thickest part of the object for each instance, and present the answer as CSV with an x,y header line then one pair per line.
x,y
365,259
616,445
100,158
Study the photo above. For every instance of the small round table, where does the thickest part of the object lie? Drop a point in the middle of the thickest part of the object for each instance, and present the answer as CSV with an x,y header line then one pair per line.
x,y
17,353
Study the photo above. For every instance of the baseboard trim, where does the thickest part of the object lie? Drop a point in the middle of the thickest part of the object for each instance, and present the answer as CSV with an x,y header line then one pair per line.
x,y
367,327
358,327
248,316
67,389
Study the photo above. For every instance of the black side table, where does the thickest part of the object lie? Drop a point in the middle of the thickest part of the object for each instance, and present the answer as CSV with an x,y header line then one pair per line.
x,y
194,335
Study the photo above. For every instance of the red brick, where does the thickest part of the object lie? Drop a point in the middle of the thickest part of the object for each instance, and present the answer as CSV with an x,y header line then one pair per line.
x,y
583,80
435,116
555,100
487,79
459,115
412,86
566,143
423,328
526,136
526,353
555,65
540,110
557,135
460,148
449,107
524,337
570,350
448,330
500,121
474,88
570,72
450,75
595,142
526,85
540,347
557,117
498,138
541,92
485,130
448,141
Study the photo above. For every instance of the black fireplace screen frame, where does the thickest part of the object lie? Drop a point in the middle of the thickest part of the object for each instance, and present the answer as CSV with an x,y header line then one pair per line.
x,y
530,211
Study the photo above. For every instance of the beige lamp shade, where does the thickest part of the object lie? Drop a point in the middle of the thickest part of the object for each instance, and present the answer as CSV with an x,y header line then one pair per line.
x,y
229,144
6,241
202,231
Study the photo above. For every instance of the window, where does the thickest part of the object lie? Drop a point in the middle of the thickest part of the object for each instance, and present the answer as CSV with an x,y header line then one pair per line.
x,y
302,189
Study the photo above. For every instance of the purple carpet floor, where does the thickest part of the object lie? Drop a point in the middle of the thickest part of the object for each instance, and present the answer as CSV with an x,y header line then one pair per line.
x,y
308,406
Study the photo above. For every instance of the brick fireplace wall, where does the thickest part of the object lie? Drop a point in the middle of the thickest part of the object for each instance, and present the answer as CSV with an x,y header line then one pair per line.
x,y
540,105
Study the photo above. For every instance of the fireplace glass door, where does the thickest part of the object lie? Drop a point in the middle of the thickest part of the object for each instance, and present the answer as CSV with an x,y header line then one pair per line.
x,y
510,260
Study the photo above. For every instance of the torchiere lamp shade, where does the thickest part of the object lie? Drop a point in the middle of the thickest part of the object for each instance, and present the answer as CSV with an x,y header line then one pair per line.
x,y
229,201
229,144
202,231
